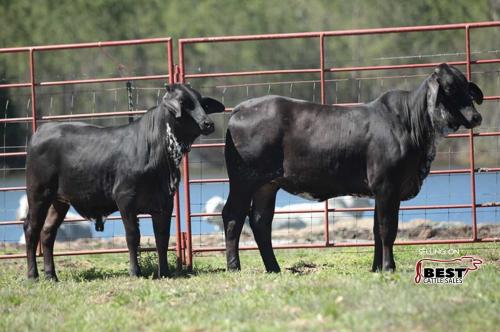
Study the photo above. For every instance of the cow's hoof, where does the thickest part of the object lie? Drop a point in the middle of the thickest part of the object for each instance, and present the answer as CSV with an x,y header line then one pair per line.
x,y
51,277
32,278
389,269
274,270
33,275
135,273
234,268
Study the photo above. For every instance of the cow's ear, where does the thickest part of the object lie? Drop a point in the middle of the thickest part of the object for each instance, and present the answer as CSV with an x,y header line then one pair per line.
x,y
432,92
442,67
211,105
476,93
173,106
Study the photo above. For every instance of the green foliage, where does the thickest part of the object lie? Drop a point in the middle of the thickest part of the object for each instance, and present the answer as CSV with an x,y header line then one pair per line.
x,y
27,23
328,289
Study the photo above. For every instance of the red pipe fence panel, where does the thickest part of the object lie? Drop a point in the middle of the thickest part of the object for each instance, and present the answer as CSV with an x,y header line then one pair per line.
x,y
322,72
35,117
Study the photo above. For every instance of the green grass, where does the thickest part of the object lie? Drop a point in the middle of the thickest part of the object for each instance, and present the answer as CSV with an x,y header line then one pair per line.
x,y
329,289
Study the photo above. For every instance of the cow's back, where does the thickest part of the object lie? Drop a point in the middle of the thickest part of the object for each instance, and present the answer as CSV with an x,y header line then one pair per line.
x,y
77,163
56,144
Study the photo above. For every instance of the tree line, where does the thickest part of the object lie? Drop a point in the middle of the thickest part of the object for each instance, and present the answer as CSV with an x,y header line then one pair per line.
x,y
27,23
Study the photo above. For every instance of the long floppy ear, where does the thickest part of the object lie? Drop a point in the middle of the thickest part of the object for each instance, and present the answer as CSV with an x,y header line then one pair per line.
x,y
476,93
432,93
211,105
173,106
171,103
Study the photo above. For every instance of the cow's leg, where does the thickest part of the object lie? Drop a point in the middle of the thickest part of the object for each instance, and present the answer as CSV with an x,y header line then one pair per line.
x,y
261,218
133,236
38,207
161,226
233,215
377,257
387,215
55,217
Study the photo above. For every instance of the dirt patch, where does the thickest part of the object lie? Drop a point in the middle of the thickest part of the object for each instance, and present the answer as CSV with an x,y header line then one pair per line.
x,y
304,268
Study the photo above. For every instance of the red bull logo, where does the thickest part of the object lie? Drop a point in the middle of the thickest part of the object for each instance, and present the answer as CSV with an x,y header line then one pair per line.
x,y
445,271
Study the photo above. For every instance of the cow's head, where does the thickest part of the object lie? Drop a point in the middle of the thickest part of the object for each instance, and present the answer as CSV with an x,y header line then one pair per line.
x,y
190,111
450,100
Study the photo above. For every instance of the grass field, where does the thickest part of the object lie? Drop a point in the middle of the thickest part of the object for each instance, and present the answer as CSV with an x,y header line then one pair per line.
x,y
318,290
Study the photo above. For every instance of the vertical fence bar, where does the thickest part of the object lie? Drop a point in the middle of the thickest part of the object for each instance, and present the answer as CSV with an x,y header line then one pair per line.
x,y
170,55
178,239
33,112
471,142
187,194
177,204
187,209
33,89
323,101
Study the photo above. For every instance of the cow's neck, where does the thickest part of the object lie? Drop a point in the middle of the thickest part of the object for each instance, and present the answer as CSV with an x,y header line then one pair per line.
x,y
423,133
164,149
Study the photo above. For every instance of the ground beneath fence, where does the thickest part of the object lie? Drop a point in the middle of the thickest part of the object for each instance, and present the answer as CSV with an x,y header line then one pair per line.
x,y
360,230
355,230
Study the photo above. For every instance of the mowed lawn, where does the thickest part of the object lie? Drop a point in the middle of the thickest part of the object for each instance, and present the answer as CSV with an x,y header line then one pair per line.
x,y
318,290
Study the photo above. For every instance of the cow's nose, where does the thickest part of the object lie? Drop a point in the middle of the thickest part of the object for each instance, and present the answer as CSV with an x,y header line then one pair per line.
x,y
476,119
208,125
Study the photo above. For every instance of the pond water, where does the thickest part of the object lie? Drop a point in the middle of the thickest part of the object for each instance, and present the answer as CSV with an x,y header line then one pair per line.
x,y
437,190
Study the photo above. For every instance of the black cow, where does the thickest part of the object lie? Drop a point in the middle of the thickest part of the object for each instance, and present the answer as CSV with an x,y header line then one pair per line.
x,y
131,168
382,149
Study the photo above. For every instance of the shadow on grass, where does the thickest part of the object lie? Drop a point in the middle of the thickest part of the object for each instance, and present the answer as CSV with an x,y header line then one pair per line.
x,y
95,273
149,270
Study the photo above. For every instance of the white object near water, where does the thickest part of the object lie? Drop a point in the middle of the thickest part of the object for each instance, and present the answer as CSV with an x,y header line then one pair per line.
x,y
300,219
66,232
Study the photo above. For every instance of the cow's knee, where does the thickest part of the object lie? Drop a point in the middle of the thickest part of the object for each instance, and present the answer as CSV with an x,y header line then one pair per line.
x,y
232,220
28,230
230,213
48,236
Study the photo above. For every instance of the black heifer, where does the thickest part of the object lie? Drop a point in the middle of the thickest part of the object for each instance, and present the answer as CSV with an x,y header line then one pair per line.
x,y
382,149
131,168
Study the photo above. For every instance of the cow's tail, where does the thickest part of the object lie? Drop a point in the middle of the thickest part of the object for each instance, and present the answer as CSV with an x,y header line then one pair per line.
x,y
230,153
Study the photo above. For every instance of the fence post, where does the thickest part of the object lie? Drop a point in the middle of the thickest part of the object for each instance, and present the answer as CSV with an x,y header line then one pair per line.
x,y
185,169
323,101
33,112
471,143
177,208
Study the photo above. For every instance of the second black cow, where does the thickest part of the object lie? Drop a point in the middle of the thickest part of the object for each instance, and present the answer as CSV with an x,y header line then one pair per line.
x,y
382,149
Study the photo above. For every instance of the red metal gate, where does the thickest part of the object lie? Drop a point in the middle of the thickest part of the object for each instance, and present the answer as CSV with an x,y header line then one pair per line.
x,y
35,117
321,69
184,247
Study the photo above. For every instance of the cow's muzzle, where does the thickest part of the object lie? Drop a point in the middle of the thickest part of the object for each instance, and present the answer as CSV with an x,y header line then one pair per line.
x,y
207,127
474,121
